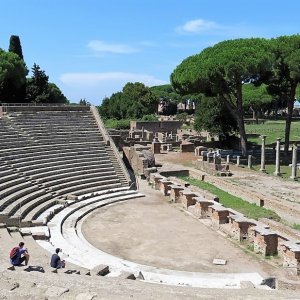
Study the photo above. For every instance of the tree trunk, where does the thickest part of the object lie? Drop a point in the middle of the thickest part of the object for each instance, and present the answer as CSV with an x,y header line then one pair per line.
x,y
256,116
240,118
238,112
290,107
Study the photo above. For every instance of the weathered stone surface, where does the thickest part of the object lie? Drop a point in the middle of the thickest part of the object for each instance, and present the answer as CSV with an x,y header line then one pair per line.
x,y
100,270
55,291
85,296
218,261
247,285
127,275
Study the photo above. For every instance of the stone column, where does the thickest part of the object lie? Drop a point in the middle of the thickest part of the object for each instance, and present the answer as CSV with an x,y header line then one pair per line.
x,y
143,132
262,160
277,167
238,161
294,163
250,161
214,158
228,159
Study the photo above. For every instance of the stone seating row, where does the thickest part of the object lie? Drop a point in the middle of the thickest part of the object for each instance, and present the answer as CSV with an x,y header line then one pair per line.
x,y
24,166
37,202
53,124
44,149
25,196
52,173
65,230
20,188
233,223
38,160
62,173
76,253
18,192
39,258
37,175
34,173
57,154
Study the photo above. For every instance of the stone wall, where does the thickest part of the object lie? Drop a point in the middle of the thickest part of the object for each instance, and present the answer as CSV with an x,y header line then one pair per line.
x,y
139,157
187,147
156,126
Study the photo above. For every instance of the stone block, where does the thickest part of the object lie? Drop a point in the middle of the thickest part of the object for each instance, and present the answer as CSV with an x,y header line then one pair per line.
x,y
187,147
100,270
219,261
174,192
127,275
40,236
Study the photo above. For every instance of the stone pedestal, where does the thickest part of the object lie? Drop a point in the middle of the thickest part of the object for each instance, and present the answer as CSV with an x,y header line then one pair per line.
x,y
186,198
164,186
174,192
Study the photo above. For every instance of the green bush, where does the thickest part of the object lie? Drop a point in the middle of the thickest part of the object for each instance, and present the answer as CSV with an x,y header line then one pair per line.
x,y
117,124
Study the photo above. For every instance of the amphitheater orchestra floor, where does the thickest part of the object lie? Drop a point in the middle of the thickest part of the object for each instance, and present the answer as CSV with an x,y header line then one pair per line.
x,y
153,232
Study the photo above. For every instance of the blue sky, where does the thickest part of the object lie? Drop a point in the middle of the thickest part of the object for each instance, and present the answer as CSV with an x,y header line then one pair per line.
x,y
91,48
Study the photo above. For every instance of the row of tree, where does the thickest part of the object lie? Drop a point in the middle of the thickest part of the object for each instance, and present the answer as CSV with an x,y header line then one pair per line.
x,y
221,73
15,87
134,101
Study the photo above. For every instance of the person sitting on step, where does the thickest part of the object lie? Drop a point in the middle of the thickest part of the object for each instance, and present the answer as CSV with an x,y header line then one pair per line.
x,y
18,255
56,262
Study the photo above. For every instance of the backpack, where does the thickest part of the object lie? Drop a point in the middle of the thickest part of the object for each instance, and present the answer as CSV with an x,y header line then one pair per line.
x,y
13,253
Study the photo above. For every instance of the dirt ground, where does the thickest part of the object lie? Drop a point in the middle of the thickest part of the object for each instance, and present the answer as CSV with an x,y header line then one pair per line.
x,y
154,232
166,236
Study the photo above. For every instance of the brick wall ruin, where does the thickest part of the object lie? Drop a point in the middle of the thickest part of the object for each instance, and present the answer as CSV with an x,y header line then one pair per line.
x,y
205,205
139,157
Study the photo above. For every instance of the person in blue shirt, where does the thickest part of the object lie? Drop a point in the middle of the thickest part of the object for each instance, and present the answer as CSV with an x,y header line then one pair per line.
x,y
56,262
21,256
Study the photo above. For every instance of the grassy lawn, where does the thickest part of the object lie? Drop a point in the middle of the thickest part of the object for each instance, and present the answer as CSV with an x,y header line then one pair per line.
x,y
272,129
285,171
249,210
296,226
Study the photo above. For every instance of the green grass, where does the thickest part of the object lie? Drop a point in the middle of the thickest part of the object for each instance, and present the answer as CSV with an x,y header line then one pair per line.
x,y
285,171
249,210
296,226
272,129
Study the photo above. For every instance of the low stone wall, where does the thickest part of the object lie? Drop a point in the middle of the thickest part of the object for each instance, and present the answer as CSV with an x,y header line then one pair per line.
x,y
216,169
139,157
187,147
260,236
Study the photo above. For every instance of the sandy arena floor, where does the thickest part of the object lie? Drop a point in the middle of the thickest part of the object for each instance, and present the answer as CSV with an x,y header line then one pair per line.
x,y
154,232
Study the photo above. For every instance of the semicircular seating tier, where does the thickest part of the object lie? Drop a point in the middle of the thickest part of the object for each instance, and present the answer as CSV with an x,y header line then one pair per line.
x,y
65,232
50,155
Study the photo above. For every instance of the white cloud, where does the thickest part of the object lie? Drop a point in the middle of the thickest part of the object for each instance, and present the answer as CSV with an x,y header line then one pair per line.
x,y
95,86
197,26
90,79
103,47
